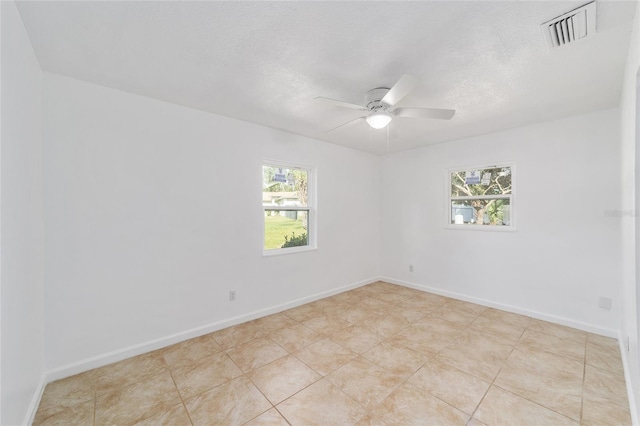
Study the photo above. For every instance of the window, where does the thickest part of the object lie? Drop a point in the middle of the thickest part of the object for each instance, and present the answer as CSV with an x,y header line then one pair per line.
x,y
287,202
481,197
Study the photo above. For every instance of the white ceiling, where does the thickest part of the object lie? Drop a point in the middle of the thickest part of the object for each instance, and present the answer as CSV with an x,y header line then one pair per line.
x,y
265,62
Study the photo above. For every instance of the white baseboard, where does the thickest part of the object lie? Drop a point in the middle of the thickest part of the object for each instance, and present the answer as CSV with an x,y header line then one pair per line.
x,y
152,345
591,328
118,355
627,378
35,401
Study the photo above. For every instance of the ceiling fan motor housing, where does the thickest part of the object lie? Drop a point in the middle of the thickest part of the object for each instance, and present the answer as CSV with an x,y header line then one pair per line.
x,y
373,99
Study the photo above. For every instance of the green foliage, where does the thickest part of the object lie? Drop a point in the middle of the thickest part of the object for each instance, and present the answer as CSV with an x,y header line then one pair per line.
x,y
295,241
498,184
277,227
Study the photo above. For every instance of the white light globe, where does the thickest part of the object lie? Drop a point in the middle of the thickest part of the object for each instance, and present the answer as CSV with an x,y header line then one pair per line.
x,y
379,120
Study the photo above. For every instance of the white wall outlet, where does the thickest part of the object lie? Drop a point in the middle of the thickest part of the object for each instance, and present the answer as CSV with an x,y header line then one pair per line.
x,y
626,343
232,296
605,303
410,268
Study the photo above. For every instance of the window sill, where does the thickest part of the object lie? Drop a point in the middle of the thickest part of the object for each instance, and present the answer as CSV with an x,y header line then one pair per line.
x,y
481,228
290,250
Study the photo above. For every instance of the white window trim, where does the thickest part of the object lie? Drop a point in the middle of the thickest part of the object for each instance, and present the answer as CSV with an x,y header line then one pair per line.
x,y
310,208
483,228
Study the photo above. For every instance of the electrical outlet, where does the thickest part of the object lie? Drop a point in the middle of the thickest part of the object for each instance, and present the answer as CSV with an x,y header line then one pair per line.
x,y
605,303
232,296
410,268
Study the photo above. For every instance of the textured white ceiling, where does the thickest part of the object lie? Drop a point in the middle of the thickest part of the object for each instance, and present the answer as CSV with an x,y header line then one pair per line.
x,y
265,62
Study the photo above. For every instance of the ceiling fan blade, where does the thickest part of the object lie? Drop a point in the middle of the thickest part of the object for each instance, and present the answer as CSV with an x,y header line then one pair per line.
x,y
348,123
437,113
342,104
401,89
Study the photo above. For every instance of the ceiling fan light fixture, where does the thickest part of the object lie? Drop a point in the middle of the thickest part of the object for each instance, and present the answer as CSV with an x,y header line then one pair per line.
x,y
379,120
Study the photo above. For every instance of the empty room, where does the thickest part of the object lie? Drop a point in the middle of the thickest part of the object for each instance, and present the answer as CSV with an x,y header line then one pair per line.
x,y
319,213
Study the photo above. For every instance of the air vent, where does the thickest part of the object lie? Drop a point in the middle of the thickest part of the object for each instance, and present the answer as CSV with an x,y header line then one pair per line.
x,y
571,26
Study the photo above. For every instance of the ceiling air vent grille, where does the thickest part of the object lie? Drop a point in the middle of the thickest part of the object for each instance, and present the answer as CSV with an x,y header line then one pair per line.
x,y
571,26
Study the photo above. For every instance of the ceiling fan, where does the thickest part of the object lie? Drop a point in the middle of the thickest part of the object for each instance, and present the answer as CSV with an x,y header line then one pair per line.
x,y
379,104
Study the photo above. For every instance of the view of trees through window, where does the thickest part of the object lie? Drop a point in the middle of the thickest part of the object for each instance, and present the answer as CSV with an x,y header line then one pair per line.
x,y
481,196
285,200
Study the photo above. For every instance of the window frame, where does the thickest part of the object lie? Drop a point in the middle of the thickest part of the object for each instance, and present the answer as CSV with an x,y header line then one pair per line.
x,y
310,208
511,197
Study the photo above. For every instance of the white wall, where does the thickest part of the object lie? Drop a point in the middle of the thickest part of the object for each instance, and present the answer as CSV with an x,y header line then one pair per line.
x,y
21,225
565,253
153,213
630,221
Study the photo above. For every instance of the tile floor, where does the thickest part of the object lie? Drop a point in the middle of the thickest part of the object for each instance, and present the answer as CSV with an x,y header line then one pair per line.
x,y
377,355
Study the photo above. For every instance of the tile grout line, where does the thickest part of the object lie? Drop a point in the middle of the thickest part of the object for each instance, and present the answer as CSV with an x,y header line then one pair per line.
x,y
390,305
184,405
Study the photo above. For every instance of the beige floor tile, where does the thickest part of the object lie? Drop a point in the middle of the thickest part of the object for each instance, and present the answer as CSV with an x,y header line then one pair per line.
x,y
466,306
596,412
604,354
322,304
175,416
190,350
429,335
451,385
475,422
390,296
347,297
269,418
238,334
411,315
433,323
326,325
397,359
358,314
274,322
256,353
387,325
553,344
129,371
233,403
566,333
65,393
365,381
604,386
303,313
77,414
479,354
322,403
370,420
500,327
410,405
375,306
136,402
338,310
295,337
453,314
362,292
422,304
424,359
501,407
545,363
325,356
205,374
283,378
356,338
510,317
550,380
603,342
